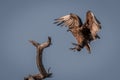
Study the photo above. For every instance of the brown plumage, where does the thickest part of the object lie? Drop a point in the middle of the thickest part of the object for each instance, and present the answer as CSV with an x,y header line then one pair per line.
x,y
83,33
93,24
43,73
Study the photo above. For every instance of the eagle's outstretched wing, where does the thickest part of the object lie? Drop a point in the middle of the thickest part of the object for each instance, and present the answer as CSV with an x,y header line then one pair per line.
x,y
93,24
71,21
74,23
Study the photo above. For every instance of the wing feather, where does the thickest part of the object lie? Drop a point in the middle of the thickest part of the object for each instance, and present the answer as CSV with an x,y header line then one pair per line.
x,y
71,20
93,24
74,23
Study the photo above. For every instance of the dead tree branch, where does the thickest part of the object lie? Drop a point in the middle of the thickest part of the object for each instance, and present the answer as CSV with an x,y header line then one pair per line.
x,y
43,73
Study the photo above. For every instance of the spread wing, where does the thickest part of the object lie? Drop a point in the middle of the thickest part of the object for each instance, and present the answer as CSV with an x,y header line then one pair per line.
x,y
74,24
69,21
93,24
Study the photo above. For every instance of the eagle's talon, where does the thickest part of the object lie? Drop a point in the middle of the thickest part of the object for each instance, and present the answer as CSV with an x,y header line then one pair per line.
x,y
74,49
75,44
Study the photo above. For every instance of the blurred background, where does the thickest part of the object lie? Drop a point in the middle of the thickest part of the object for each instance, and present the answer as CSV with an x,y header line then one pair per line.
x,y
23,20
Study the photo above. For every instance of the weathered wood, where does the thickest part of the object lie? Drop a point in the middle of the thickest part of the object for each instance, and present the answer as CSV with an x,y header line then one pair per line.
x,y
43,73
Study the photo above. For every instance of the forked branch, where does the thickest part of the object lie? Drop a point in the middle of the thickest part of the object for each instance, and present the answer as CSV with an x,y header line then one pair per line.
x,y
43,73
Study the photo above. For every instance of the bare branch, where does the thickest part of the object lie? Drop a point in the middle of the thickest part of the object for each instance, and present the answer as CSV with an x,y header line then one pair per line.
x,y
43,73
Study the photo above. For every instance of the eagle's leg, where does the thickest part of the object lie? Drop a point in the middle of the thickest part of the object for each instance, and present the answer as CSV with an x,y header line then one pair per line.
x,y
73,49
94,37
77,47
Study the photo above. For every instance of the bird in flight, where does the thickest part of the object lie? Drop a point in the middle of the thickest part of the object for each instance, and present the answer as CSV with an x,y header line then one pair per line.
x,y
85,32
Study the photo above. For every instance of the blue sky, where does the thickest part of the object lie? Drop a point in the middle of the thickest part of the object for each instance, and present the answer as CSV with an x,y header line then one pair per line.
x,y
23,20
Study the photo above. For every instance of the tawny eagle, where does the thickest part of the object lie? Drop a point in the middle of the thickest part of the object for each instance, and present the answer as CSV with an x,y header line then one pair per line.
x,y
83,32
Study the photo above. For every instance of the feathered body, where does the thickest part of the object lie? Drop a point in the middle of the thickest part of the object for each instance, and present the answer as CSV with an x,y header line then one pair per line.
x,y
83,33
